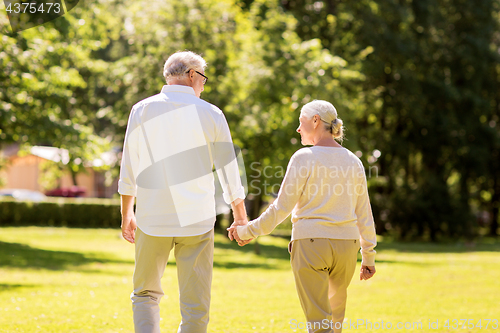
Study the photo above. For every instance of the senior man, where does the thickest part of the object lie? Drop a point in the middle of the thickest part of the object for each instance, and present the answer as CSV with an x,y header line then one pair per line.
x,y
172,142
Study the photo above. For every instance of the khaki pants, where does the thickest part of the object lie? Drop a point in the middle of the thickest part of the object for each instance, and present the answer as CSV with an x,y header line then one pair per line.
x,y
194,260
323,269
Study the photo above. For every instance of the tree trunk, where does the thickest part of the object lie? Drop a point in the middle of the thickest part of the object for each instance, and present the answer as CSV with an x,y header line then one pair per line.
x,y
73,177
253,211
495,201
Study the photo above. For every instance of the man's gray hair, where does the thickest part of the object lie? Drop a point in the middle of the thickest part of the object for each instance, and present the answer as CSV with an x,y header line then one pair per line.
x,y
182,61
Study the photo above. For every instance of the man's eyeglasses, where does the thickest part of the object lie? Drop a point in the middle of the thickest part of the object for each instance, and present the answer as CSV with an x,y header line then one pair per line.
x,y
205,80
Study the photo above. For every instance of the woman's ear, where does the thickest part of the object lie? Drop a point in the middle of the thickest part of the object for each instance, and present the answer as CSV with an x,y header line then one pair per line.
x,y
316,121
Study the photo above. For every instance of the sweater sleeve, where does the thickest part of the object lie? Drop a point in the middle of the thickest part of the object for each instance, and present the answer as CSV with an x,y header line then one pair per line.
x,y
290,191
365,223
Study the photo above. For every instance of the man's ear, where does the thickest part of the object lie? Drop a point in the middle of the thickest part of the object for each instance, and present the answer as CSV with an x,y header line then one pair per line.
x,y
189,75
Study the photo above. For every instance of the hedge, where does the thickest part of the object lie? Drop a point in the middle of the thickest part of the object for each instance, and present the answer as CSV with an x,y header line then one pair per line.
x,y
61,212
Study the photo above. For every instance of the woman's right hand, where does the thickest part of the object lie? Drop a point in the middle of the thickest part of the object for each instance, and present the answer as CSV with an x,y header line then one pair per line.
x,y
233,233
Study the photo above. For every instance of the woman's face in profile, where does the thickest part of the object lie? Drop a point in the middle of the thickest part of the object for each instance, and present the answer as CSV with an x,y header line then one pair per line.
x,y
306,129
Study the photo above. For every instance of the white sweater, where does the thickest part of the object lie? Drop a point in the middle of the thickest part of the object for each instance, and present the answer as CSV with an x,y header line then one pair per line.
x,y
325,190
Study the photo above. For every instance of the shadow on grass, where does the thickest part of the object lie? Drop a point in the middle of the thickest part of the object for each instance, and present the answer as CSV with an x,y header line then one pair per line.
x,y
14,255
231,261
9,287
448,247
281,253
267,253
484,244
266,250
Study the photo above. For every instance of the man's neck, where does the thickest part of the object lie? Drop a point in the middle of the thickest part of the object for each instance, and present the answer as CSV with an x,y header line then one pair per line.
x,y
177,82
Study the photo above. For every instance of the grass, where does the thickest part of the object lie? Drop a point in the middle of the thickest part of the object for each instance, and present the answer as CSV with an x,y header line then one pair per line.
x,y
79,280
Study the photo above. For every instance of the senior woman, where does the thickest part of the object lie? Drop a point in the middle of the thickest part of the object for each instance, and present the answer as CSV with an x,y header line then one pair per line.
x,y
325,190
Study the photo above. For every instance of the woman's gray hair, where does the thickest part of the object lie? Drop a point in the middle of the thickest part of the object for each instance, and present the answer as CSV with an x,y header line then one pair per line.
x,y
328,114
182,61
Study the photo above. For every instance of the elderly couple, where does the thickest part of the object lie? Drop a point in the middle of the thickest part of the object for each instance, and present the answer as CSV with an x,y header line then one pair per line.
x,y
173,141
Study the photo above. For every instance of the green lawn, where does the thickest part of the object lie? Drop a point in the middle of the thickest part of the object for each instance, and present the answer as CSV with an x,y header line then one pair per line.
x,y
79,280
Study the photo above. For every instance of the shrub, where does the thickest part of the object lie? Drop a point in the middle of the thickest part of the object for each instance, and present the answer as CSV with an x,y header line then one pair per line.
x,y
61,212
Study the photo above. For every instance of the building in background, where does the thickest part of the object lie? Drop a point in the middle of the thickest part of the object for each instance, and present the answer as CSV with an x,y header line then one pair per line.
x,y
23,171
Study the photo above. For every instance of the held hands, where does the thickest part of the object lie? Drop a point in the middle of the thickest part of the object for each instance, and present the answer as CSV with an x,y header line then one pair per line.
x,y
233,232
128,228
366,272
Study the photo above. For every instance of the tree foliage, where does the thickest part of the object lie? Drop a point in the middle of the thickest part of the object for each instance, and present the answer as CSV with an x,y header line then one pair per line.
x,y
47,86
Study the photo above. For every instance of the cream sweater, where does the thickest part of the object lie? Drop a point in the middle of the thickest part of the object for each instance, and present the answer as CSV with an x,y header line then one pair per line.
x,y
325,190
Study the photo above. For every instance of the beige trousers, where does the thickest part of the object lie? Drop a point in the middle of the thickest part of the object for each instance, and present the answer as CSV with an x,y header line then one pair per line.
x,y
194,261
323,269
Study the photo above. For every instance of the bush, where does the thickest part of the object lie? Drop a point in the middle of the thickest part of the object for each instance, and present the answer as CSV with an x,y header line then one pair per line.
x,y
61,212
